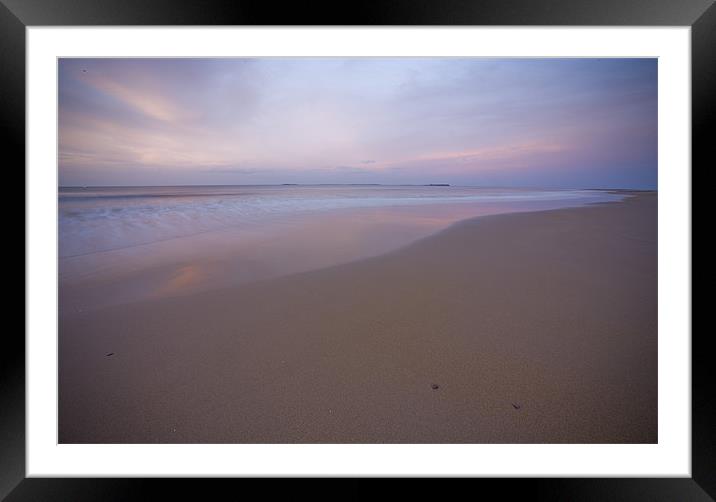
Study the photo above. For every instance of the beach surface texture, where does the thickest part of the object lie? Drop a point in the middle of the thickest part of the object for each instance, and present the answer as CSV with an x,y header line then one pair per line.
x,y
535,327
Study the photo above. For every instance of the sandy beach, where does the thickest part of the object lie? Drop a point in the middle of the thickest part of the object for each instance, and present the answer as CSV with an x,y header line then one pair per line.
x,y
537,327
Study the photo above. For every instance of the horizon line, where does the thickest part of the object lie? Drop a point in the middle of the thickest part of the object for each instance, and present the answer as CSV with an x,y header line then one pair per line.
x,y
442,185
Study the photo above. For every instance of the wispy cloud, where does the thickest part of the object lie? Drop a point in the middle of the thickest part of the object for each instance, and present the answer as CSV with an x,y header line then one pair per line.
x,y
398,120
150,104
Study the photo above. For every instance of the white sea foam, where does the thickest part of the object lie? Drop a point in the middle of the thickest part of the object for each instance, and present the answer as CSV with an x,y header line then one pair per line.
x,y
93,220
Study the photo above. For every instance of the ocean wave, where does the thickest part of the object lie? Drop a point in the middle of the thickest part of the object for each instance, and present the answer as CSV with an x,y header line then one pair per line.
x,y
104,219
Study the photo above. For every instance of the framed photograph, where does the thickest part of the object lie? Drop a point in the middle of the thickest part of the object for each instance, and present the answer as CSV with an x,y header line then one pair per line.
x,y
445,241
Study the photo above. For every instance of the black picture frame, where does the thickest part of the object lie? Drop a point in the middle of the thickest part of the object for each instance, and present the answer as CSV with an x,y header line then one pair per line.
x,y
16,15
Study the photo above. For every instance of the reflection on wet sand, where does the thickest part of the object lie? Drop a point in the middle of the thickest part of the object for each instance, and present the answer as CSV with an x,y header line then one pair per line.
x,y
183,279
279,246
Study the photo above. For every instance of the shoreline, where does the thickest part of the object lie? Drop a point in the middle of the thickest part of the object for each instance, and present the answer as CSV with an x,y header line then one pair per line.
x,y
232,256
536,326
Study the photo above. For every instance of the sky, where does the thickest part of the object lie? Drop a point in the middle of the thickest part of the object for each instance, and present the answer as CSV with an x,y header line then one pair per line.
x,y
564,123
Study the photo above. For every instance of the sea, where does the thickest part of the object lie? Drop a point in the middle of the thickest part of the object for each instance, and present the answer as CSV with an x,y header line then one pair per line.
x,y
150,242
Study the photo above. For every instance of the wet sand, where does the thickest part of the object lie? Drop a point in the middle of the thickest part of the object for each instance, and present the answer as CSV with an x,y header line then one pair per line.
x,y
258,248
518,328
